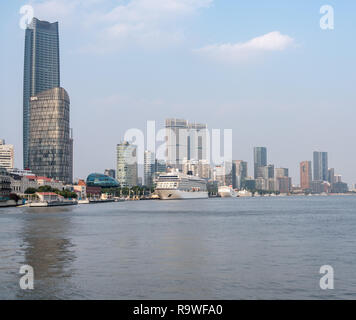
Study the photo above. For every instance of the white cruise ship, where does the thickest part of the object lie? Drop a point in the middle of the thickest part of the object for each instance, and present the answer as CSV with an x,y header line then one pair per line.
x,y
175,185
226,192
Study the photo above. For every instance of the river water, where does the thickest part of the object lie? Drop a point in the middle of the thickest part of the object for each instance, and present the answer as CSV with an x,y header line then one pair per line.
x,y
244,248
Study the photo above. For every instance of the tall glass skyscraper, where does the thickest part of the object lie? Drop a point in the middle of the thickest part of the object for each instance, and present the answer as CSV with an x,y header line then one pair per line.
x,y
259,159
320,166
41,69
50,143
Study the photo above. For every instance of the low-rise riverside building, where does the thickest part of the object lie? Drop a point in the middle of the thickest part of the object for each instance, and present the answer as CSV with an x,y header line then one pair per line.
x,y
19,184
5,186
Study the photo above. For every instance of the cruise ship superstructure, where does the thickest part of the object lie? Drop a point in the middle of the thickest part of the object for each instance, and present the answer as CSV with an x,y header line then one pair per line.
x,y
175,185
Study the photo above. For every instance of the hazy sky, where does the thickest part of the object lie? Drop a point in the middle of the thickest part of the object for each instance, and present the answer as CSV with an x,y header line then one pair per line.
x,y
265,69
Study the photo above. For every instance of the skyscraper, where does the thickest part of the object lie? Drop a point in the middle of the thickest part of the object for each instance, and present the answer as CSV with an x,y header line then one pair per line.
x,y
149,168
6,155
110,173
305,175
320,166
239,173
260,159
126,173
50,141
185,141
41,69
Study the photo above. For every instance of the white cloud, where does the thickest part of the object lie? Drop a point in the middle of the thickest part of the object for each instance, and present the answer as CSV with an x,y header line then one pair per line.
x,y
235,52
148,23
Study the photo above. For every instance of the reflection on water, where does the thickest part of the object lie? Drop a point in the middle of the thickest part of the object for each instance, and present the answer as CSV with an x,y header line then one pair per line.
x,y
47,247
251,248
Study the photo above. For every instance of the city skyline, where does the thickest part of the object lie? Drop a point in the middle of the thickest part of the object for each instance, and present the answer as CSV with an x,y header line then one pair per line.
x,y
222,110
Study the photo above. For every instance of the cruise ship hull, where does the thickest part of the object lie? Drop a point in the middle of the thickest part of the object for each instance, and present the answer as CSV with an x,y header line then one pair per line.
x,y
226,192
181,195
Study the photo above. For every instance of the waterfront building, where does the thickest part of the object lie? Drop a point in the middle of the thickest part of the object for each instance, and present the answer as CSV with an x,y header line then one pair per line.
x,y
339,187
41,69
320,187
266,172
320,166
305,175
331,175
283,184
200,168
101,180
6,155
185,141
259,159
126,173
149,168
110,173
219,175
262,184
50,149
250,183
5,186
20,183
281,172
239,173
80,189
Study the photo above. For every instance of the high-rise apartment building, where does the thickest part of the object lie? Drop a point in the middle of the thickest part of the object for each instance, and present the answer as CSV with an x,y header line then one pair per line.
x,y
239,173
41,69
6,155
126,172
260,159
331,175
50,141
320,166
185,141
306,175
149,168
281,172
110,173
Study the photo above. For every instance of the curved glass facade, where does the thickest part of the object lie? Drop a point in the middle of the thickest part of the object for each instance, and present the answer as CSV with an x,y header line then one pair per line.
x,y
101,180
50,144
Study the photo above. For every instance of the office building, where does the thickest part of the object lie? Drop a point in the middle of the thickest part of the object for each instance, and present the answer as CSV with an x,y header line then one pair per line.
x,y
259,159
320,166
281,172
110,173
5,185
50,142
239,173
185,141
41,69
305,175
149,168
331,175
6,155
126,171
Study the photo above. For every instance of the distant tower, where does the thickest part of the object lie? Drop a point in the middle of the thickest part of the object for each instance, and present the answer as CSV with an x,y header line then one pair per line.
x,y
185,141
260,159
305,175
6,155
149,168
126,173
320,164
50,141
41,69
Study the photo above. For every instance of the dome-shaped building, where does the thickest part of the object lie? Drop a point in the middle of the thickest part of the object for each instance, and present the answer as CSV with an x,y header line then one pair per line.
x,y
101,180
